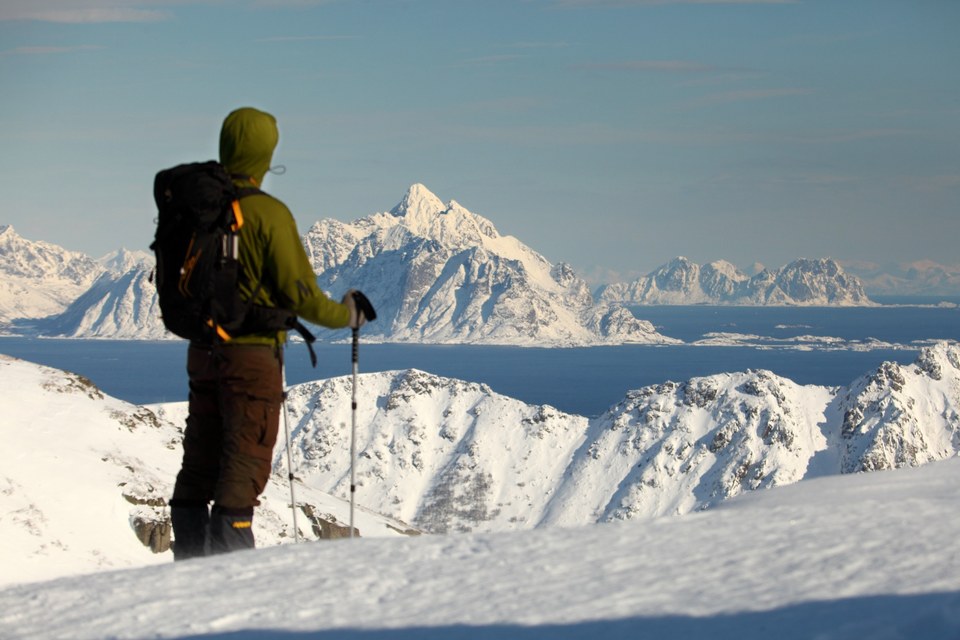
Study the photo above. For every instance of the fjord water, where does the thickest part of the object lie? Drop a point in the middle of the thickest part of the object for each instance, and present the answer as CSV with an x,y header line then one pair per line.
x,y
901,320
584,381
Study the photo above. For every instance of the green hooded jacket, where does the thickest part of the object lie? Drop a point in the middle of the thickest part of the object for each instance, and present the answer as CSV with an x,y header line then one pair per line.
x,y
271,251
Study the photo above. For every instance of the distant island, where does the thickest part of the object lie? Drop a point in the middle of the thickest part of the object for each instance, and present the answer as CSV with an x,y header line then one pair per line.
x,y
803,282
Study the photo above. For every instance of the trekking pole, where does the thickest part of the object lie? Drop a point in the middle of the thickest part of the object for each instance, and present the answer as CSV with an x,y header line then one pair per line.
x,y
364,307
353,425
286,431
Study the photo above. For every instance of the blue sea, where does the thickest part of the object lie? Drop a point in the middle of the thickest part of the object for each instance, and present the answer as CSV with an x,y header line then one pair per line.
x,y
584,381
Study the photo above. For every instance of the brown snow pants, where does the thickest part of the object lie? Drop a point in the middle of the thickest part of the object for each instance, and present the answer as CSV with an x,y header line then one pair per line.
x,y
236,392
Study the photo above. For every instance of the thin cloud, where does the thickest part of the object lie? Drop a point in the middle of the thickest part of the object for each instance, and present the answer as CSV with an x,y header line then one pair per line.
x,y
666,66
537,45
494,59
61,13
855,136
934,183
33,51
747,95
280,4
724,78
304,38
653,3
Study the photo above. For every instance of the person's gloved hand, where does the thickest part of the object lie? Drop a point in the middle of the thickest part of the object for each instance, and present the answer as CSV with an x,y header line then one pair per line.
x,y
357,318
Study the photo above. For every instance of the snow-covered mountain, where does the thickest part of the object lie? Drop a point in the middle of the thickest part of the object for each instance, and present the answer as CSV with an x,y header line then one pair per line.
x,y
808,282
121,261
922,277
452,456
436,273
439,273
680,281
38,278
119,305
49,290
902,415
447,455
802,282
84,480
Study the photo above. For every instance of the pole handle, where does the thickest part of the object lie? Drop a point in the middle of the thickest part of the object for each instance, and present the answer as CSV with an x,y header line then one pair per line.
x,y
364,306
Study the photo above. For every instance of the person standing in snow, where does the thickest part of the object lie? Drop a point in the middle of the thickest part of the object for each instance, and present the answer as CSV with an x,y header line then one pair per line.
x,y
236,388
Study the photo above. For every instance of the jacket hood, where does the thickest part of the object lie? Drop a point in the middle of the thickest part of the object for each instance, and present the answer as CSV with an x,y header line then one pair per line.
x,y
247,141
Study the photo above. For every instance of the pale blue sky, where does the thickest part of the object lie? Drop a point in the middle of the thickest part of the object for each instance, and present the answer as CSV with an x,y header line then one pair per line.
x,y
613,135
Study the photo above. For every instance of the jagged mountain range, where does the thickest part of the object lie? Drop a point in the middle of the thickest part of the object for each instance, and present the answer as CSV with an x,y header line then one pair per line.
x,y
447,455
437,273
804,282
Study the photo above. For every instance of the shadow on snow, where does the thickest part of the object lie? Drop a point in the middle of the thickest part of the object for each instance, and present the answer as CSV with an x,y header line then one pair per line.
x,y
930,616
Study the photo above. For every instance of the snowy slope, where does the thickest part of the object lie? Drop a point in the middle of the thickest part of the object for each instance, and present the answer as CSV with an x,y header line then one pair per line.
x,y
865,556
117,306
82,475
676,448
447,454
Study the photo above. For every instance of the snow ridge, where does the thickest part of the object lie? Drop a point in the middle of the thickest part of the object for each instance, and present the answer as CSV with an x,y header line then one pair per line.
x,y
447,455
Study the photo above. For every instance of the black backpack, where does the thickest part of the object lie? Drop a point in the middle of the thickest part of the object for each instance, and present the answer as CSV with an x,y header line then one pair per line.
x,y
198,272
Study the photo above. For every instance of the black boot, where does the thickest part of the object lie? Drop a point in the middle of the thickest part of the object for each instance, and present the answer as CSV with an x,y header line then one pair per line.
x,y
231,529
191,521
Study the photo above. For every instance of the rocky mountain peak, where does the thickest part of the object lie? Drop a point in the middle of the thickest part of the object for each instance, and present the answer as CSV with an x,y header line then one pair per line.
x,y
419,202
903,415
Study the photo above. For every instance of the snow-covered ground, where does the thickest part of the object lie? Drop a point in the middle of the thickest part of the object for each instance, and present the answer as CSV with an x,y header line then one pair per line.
x,y
865,556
